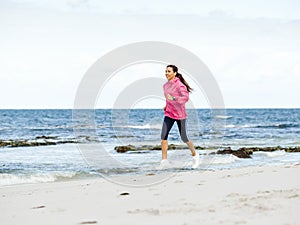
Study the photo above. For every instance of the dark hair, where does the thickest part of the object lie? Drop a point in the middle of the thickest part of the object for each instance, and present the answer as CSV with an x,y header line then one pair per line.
x,y
179,75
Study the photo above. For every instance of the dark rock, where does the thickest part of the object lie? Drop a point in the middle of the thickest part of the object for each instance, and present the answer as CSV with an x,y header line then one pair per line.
x,y
244,152
66,142
122,149
4,143
227,150
269,149
126,148
46,137
122,136
145,147
26,143
30,143
292,149
172,147
180,147
241,153
156,147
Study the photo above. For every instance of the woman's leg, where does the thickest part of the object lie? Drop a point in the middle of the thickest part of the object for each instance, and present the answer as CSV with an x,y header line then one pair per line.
x,y
183,134
182,129
164,149
167,125
191,147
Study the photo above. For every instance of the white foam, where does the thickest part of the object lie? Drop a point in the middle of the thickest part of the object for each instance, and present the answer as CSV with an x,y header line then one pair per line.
x,y
229,126
146,126
219,159
223,117
241,126
272,154
11,179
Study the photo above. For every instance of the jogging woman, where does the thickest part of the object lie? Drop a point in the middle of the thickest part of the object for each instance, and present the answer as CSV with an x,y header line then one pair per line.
x,y
176,91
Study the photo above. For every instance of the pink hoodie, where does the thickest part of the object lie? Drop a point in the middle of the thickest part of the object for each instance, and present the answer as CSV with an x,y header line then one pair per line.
x,y
176,108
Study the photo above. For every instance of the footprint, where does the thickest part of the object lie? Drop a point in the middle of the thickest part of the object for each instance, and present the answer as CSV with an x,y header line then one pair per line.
x,y
150,211
39,207
124,193
178,181
150,174
88,222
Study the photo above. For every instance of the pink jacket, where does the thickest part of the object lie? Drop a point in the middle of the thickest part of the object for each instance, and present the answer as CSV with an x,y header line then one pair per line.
x,y
176,108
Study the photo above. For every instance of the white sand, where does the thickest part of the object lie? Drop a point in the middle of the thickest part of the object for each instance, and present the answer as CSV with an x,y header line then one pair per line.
x,y
261,195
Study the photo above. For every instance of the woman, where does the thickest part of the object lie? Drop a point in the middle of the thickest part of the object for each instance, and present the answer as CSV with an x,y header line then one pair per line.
x,y
176,91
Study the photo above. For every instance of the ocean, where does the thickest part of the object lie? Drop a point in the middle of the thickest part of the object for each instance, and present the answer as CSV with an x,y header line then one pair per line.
x,y
44,145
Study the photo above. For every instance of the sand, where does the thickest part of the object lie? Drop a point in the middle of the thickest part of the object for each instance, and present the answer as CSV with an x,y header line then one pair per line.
x,y
253,195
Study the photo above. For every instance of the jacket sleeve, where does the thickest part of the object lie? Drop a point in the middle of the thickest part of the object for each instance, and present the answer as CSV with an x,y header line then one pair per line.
x,y
184,95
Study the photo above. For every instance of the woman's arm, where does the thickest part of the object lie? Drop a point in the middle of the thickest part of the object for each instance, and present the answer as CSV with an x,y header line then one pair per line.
x,y
183,98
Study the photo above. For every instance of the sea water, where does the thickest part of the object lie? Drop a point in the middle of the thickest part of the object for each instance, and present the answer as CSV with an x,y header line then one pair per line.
x,y
206,128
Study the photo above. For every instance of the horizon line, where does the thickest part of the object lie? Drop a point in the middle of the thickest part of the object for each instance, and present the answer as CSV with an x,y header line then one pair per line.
x,y
145,108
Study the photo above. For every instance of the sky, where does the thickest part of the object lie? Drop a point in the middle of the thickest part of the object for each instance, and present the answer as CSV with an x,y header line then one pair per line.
x,y
252,48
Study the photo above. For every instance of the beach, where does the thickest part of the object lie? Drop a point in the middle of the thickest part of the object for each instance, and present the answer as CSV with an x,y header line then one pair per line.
x,y
57,171
248,195
149,114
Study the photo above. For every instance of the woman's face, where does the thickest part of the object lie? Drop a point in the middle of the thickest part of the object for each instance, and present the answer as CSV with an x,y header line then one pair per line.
x,y
170,73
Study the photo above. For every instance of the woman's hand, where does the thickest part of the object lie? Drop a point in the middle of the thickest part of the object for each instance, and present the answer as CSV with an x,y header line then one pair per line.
x,y
169,97
165,108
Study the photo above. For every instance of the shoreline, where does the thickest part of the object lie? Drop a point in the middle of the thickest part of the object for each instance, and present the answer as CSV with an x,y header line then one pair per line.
x,y
248,195
57,165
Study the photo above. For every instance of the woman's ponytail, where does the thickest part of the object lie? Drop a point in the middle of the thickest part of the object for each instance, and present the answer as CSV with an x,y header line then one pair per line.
x,y
179,75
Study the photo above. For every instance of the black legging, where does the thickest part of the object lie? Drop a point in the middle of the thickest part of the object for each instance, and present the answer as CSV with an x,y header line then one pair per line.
x,y
167,125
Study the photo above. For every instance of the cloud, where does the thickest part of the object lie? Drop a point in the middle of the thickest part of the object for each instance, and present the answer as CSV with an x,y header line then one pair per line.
x,y
58,41
221,13
78,3
287,9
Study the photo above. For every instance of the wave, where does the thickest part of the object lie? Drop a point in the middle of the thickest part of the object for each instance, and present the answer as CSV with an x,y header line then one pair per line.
x,y
147,126
223,117
117,171
279,125
12,179
223,159
230,126
142,127
272,154
48,127
240,126
154,126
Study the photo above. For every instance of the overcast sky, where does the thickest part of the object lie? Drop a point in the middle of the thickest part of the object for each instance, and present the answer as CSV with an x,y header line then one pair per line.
x,y
251,47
